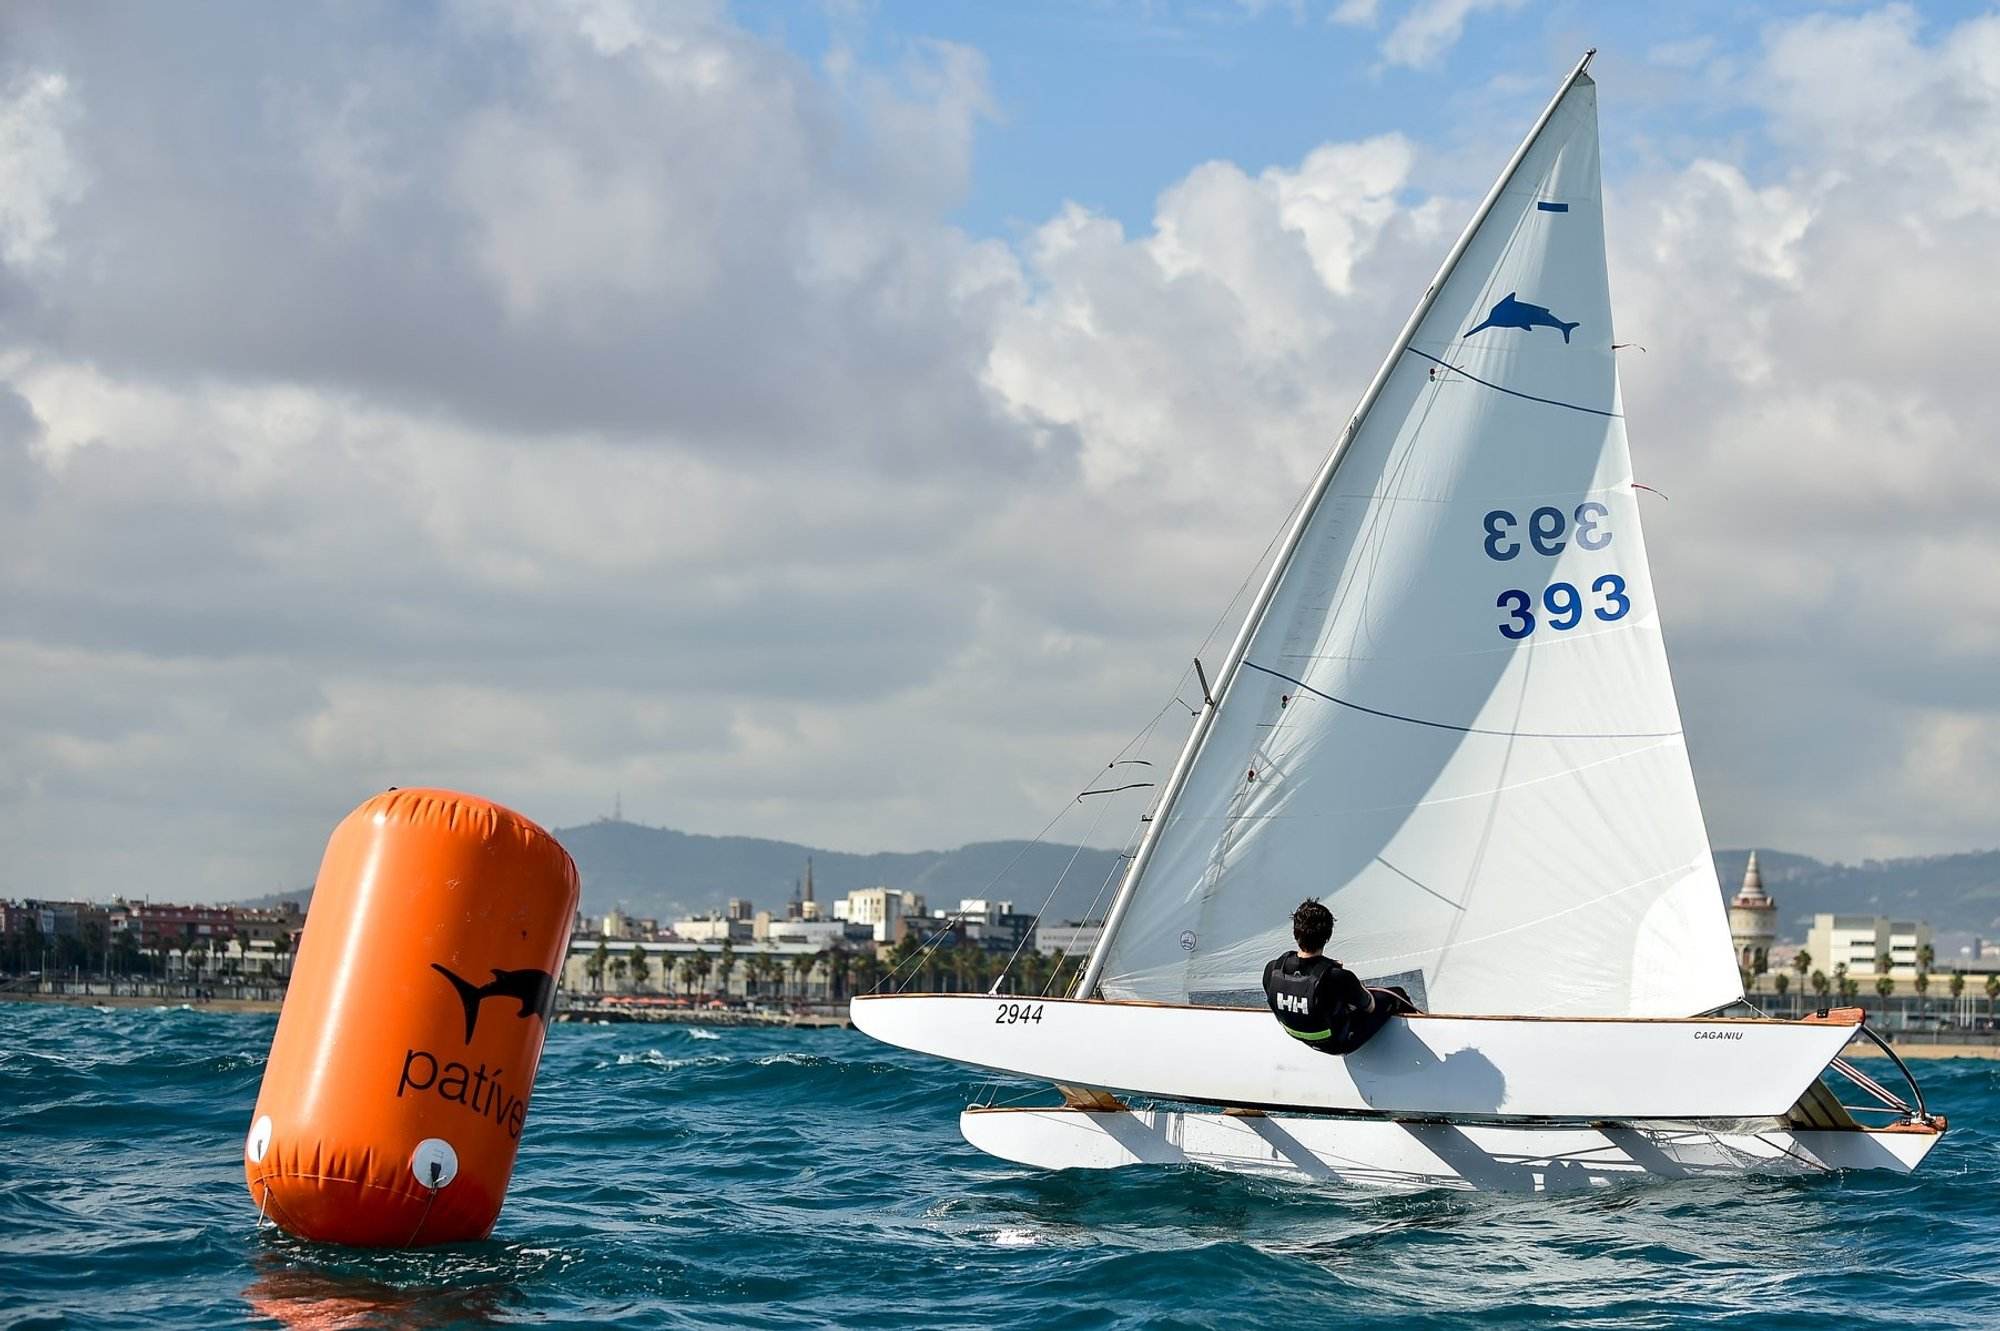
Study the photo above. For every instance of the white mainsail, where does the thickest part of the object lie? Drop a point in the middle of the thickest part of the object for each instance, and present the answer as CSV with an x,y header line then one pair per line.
x,y
1453,721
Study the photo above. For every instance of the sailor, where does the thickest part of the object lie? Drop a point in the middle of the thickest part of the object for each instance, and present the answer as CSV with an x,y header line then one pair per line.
x,y
1320,1001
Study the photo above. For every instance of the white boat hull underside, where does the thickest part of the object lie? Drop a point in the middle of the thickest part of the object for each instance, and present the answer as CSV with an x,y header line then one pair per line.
x,y
1384,1153
1478,1068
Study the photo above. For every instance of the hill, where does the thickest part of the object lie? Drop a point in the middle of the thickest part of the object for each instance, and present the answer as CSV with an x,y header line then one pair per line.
x,y
660,872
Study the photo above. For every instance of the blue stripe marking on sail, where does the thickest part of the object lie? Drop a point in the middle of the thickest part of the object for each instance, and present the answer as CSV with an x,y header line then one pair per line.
x,y
1446,725
1511,392
1548,207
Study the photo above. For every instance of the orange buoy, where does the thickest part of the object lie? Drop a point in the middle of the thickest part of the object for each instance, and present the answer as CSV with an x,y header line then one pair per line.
x,y
398,1082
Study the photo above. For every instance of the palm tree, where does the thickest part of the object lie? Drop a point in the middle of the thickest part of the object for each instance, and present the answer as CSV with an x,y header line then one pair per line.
x,y
1957,984
594,967
969,968
1067,975
900,958
641,972
839,962
1992,993
1781,983
1885,985
725,967
767,968
1802,962
617,972
802,969
867,972
690,972
1031,972
128,953
1922,984
1820,986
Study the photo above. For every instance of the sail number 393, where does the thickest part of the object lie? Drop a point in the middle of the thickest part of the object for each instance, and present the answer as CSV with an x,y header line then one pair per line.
x,y
1549,531
1013,1014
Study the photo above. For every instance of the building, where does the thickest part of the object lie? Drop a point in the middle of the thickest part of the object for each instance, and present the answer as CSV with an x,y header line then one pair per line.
x,y
1068,938
618,924
881,908
818,933
993,924
162,926
802,906
1855,941
740,908
1753,921
767,970
708,929
986,912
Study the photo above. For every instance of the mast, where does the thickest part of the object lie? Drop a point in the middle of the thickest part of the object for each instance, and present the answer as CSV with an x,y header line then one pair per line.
x,y
1093,973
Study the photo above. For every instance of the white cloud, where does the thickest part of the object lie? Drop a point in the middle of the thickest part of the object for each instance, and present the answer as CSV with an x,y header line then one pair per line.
x,y
600,399
1433,27
38,173
1816,381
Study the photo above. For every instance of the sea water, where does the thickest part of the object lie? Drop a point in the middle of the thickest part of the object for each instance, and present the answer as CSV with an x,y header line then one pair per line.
x,y
673,1177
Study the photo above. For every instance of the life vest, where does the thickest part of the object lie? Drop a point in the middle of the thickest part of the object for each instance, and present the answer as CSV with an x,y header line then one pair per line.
x,y
1292,988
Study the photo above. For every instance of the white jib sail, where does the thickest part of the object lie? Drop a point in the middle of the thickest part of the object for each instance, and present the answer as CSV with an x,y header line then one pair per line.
x,y
1454,723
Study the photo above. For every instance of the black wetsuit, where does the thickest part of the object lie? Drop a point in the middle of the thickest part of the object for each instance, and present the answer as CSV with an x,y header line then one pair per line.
x,y
1321,1003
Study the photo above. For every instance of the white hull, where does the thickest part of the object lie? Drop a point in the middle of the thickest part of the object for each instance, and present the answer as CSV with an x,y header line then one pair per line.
x,y
1476,1068
1415,1155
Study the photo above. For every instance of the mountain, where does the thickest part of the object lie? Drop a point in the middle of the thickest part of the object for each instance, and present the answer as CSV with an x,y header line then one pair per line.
x,y
659,872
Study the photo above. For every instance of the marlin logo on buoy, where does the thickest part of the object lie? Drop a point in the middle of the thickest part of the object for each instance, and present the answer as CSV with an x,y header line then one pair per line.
x,y
534,990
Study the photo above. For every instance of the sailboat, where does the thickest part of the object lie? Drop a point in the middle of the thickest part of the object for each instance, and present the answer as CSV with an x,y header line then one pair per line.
x,y
1448,715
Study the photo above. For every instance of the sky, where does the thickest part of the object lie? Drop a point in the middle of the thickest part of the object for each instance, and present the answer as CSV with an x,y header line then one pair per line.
x,y
843,422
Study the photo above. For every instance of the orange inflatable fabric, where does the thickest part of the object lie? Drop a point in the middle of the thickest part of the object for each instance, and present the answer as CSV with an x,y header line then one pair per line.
x,y
397,1087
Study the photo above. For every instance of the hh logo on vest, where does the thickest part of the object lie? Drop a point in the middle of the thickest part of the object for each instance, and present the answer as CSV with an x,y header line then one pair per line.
x,y
1291,1003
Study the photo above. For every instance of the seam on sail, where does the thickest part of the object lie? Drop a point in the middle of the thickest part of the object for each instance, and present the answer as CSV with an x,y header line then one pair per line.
x,y
1463,730
1513,392
1571,909
1563,775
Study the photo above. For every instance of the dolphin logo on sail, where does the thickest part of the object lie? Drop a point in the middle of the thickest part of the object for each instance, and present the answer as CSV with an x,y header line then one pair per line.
x,y
1512,313
534,990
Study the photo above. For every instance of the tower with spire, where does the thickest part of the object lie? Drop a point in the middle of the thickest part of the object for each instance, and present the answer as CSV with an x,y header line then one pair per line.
x,y
1753,920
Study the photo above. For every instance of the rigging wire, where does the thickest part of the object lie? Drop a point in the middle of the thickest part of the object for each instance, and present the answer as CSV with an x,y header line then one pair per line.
x,y
1049,984
1144,733
1029,932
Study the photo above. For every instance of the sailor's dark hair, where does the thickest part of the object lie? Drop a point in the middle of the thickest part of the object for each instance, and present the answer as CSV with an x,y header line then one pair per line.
x,y
1312,925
